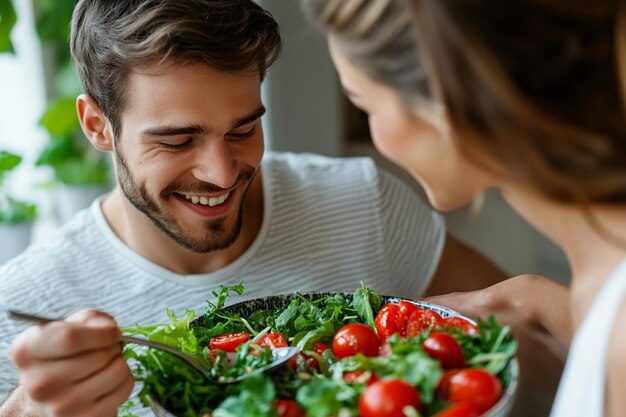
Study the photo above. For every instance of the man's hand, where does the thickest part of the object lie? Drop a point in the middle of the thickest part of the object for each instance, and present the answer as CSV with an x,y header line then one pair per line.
x,y
72,368
537,310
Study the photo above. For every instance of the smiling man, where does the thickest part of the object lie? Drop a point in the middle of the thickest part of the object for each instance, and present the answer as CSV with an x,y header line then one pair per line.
x,y
172,91
187,158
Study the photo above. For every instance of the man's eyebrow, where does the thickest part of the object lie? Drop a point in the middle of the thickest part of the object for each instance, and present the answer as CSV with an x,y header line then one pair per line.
x,y
196,129
249,118
175,130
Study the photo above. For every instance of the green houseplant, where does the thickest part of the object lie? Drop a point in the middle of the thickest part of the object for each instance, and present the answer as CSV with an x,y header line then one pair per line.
x,y
7,21
12,211
16,217
73,161
79,172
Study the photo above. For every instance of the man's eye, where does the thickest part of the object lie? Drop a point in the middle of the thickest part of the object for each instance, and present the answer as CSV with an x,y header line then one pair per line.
x,y
242,135
175,146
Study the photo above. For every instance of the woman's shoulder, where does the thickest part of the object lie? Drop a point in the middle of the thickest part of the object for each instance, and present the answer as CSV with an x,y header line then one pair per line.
x,y
616,365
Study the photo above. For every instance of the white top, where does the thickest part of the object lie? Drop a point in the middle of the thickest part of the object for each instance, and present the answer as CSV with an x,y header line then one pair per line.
x,y
582,389
328,223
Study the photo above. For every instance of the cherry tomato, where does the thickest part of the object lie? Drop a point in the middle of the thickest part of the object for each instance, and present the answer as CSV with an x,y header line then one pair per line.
x,y
311,361
466,326
288,408
445,349
355,338
228,342
387,398
406,309
320,347
387,321
273,341
475,386
360,377
459,410
420,321
443,388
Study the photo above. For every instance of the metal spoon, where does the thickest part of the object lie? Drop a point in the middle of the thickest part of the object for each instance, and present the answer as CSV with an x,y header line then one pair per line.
x,y
280,355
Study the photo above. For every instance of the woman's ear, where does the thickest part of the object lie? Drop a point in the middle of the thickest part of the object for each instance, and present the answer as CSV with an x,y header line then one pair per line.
x,y
94,123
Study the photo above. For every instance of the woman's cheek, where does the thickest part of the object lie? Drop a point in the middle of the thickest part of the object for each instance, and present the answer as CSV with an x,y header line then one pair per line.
x,y
386,139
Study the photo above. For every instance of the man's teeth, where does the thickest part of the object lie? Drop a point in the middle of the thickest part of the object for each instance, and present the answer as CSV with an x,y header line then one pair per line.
x,y
211,202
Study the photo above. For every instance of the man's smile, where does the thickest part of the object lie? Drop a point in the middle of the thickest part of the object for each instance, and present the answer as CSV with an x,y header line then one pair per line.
x,y
207,201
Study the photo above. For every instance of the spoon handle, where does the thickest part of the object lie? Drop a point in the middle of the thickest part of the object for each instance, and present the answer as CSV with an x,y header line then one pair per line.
x,y
31,318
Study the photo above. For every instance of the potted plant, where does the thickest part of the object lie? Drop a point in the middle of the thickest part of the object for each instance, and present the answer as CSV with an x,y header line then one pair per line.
x,y
80,172
16,217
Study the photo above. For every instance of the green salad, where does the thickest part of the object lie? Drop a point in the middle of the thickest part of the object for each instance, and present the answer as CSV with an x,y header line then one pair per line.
x,y
359,356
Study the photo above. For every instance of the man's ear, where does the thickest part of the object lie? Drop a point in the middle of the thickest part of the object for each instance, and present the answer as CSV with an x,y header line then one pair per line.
x,y
94,123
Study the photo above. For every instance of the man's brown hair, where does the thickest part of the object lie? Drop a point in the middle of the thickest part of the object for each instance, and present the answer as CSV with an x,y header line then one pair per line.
x,y
111,38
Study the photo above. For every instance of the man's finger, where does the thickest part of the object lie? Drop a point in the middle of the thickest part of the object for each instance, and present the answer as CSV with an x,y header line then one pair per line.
x,y
82,395
59,340
49,378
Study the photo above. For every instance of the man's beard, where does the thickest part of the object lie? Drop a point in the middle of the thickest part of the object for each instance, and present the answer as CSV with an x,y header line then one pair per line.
x,y
216,234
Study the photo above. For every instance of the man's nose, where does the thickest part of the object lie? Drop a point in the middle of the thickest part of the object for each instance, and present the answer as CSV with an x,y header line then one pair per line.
x,y
215,164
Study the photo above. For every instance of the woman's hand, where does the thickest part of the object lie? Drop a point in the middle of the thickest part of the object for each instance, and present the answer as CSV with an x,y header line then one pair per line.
x,y
74,367
537,310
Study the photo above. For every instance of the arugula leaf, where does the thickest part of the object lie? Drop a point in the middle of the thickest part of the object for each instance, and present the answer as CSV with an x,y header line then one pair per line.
x,y
324,397
221,296
254,398
365,301
492,349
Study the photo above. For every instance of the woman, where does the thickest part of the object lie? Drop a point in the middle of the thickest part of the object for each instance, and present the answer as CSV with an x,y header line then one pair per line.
x,y
527,97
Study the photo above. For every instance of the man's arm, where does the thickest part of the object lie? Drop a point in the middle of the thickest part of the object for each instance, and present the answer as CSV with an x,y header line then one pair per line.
x,y
462,268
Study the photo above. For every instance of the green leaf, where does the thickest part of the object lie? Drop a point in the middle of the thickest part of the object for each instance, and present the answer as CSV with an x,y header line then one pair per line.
x,y
15,212
60,117
322,397
8,161
59,150
492,349
83,171
67,82
7,22
125,410
365,301
255,399
53,19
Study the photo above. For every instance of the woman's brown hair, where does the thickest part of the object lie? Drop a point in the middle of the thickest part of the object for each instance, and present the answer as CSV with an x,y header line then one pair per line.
x,y
538,83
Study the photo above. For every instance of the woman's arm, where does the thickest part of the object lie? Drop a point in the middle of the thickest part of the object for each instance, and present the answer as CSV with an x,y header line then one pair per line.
x,y
537,309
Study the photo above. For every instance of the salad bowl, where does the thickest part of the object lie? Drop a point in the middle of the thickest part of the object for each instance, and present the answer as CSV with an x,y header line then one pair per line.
x,y
501,409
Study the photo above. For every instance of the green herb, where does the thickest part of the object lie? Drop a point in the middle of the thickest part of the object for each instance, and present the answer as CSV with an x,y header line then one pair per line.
x,y
365,301
303,322
491,349
252,398
12,211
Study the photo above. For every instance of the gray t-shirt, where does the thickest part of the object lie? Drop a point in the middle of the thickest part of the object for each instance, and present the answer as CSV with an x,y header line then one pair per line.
x,y
327,224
